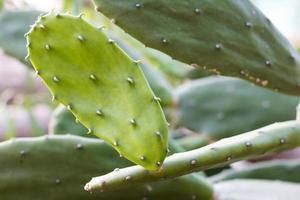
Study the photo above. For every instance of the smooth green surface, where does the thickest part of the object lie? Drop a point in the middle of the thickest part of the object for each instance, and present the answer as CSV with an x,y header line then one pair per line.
x,y
101,85
231,36
221,107
284,170
14,24
267,140
56,168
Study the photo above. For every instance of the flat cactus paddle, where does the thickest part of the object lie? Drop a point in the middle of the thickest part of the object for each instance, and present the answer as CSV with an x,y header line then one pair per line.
x,y
104,89
231,36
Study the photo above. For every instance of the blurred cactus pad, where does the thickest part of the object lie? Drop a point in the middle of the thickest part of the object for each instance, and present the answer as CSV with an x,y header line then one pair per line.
x,y
231,37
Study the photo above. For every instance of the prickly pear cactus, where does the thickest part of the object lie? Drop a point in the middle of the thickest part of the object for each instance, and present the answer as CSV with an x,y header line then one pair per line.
x,y
100,85
56,167
14,25
220,107
231,36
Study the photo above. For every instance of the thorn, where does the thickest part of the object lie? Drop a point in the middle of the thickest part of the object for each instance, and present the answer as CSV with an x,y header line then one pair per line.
x,y
23,153
193,162
197,11
268,63
158,163
155,98
27,58
80,38
102,27
80,15
218,46
157,133
55,79
99,112
164,41
137,62
142,157
42,26
92,77
69,107
26,34
115,143
79,146
138,5
89,131
133,122
111,41
130,80
248,144
47,47
77,121
57,181
28,45
229,158
248,24
282,140
53,98
127,178
57,15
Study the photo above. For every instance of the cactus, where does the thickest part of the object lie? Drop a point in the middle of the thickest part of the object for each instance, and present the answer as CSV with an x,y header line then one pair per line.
x,y
267,140
233,37
100,85
14,24
222,107
56,167
284,170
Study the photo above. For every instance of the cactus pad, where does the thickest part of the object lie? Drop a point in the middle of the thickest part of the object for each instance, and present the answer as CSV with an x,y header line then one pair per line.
x,y
104,89
231,36
56,167
221,107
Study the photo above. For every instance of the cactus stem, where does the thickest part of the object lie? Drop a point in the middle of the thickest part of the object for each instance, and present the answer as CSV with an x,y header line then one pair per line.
x,y
267,140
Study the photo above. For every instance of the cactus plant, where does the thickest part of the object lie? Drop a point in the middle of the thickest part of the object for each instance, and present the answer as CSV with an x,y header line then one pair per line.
x,y
51,164
221,107
267,140
15,24
130,119
233,37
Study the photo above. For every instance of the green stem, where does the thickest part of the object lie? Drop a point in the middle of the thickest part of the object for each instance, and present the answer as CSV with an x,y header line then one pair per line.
x,y
273,138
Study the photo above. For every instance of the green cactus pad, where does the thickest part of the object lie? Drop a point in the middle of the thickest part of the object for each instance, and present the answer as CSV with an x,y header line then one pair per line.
x,y
101,85
284,170
267,140
56,167
231,36
221,107
14,24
